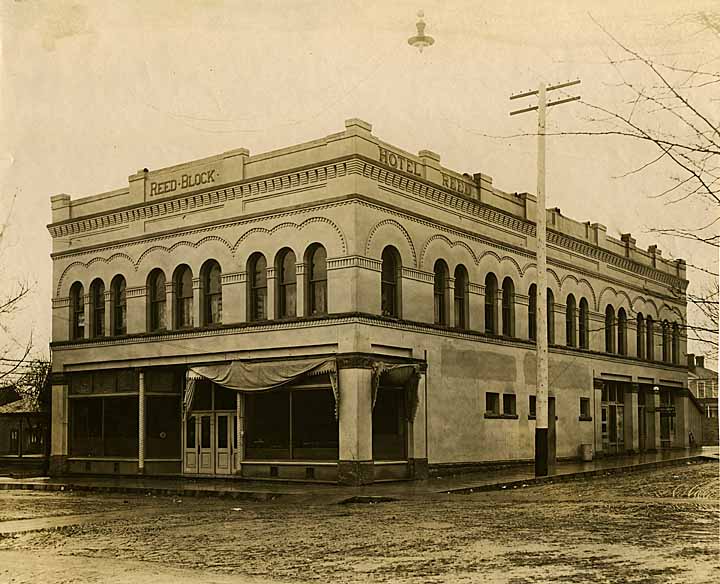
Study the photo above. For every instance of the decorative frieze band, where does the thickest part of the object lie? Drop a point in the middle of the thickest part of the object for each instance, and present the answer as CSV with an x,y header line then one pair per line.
x,y
136,292
354,261
233,278
61,302
418,275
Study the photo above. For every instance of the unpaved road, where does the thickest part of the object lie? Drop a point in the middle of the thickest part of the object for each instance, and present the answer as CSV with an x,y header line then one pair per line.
x,y
649,527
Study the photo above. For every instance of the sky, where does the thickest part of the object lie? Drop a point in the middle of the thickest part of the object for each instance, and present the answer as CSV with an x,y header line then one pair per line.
x,y
93,91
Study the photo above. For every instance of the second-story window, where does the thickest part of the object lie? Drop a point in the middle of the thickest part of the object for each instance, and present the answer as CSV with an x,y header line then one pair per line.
x,y
508,308
550,304
640,336
622,332
97,303
666,341
119,305
570,321
675,343
156,293
77,311
461,297
183,281
609,329
650,338
584,325
212,293
390,282
440,291
286,284
532,312
257,273
316,280
491,290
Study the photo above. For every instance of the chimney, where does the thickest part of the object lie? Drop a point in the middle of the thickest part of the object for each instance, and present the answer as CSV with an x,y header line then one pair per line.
x,y
700,361
691,360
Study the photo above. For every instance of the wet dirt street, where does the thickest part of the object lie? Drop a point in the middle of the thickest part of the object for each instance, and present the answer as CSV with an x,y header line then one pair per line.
x,y
645,527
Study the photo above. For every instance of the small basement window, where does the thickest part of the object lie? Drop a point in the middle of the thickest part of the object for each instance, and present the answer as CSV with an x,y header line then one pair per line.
x,y
509,408
492,403
585,409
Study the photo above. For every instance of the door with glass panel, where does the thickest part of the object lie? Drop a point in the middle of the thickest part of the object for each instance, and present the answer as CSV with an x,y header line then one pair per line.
x,y
224,443
198,457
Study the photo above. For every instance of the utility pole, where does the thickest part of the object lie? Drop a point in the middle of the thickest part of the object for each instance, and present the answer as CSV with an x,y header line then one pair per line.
x,y
542,454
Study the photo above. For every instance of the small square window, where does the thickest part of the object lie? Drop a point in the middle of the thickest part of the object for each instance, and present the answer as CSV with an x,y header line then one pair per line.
x,y
509,404
492,403
585,408
531,410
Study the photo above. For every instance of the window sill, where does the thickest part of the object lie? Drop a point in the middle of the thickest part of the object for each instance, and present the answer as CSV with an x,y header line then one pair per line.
x,y
585,418
494,416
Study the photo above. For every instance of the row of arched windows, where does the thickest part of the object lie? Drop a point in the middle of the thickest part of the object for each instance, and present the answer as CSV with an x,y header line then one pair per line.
x,y
183,313
577,315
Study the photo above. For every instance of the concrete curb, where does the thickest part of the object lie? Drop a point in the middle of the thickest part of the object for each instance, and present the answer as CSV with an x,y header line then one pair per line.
x,y
576,476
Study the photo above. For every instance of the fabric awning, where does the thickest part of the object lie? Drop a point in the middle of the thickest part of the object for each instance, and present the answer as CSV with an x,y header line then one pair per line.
x,y
405,375
251,376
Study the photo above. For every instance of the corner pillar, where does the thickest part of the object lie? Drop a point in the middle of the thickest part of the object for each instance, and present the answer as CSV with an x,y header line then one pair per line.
x,y
630,418
355,465
141,422
59,428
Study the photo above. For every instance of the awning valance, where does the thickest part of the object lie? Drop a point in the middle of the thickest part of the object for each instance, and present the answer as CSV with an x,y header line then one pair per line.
x,y
405,375
251,376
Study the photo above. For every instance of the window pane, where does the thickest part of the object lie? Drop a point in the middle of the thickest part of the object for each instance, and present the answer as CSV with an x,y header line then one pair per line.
x,y
121,426
315,429
389,425
268,425
222,431
86,427
162,427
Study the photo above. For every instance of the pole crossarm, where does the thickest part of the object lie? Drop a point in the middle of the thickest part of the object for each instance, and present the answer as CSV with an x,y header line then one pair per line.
x,y
549,104
549,88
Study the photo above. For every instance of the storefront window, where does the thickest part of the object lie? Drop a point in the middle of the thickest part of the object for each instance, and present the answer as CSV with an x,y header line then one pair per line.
x,y
162,427
389,424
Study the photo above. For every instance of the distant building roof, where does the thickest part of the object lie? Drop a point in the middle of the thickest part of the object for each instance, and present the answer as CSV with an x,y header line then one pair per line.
x,y
26,405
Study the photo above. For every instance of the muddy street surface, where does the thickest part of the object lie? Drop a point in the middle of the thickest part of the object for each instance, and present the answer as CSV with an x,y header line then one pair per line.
x,y
645,527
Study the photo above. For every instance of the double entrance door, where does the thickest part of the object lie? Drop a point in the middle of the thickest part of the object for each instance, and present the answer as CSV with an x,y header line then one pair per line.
x,y
210,443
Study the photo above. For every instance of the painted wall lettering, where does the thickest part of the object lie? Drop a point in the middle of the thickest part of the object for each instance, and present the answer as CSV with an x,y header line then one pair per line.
x,y
185,181
400,162
457,185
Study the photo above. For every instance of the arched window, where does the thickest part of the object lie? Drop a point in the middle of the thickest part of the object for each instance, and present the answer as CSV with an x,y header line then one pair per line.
x,y
550,317
156,291
640,336
622,332
119,305
609,329
77,311
97,306
390,285
316,262
650,338
491,290
570,330
183,281
508,307
286,283
532,312
584,325
675,343
257,299
212,292
666,341
461,297
440,292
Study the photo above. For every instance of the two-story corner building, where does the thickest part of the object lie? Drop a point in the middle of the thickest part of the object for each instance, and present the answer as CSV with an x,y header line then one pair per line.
x,y
703,384
343,310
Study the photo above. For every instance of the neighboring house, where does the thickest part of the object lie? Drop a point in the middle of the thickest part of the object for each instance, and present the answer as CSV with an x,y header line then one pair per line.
x,y
343,310
703,384
24,435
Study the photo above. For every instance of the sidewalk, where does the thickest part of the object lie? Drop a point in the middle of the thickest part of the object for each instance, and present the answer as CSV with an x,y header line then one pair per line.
x,y
491,479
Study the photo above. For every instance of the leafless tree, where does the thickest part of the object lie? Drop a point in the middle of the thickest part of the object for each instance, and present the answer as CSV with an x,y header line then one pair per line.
x,y
14,292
